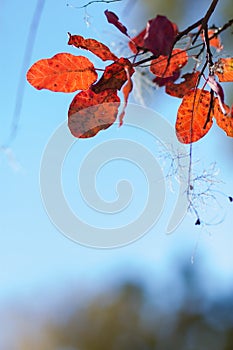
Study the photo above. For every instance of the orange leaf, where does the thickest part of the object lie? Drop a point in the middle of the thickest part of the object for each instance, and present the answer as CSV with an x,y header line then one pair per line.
x,y
192,123
181,89
160,67
128,87
214,42
224,69
114,76
63,72
224,121
96,47
89,112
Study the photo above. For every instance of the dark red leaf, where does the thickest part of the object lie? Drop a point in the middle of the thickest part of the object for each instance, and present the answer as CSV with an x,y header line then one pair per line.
x,y
164,81
89,112
113,19
160,36
114,76
96,47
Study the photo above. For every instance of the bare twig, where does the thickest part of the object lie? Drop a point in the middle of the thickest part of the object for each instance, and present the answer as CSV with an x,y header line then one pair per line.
x,y
94,2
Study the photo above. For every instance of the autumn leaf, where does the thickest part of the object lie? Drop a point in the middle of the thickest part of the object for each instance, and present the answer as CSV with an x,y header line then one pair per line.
x,y
90,112
114,76
224,120
96,47
160,67
164,81
214,42
114,19
160,35
63,72
128,87
137,41
194,117
224,69
181,89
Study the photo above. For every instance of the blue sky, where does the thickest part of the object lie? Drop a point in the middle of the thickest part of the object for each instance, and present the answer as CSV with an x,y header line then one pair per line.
x,y
34,255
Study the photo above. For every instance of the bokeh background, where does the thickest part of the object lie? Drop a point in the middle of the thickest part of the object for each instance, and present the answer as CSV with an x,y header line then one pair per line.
x,y
160,292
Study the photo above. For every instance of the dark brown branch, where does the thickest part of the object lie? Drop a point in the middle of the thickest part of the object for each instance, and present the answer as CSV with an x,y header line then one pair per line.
x,y
208,118
206,18
188,30
221,29
209,55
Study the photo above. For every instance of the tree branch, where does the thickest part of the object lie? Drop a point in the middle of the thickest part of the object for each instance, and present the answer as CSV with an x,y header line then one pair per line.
x,y
93,2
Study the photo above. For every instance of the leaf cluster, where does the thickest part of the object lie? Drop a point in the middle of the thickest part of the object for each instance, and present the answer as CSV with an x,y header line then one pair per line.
x,y
158,45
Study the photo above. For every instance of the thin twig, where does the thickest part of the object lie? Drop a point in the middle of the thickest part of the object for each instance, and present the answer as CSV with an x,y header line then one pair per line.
x,y
93,2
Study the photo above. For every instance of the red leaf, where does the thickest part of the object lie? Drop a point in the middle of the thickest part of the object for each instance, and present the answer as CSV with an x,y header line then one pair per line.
x,y
113,19
181,89
224,121
164,81
96,47
114,76
63,72
137,41
224,69
160,35
89,112
128,87
192,123
160,67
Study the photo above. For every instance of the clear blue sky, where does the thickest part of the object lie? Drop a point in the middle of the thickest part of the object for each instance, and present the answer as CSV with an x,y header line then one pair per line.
x,y
34,255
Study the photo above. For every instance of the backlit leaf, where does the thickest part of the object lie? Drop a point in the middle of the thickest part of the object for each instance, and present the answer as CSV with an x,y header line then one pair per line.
x,y
214,42
224,69
90,112
160,67
137,41
181,89
63,72
194,117
128,87
96,47
114,19
160,35
114,76
224,121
